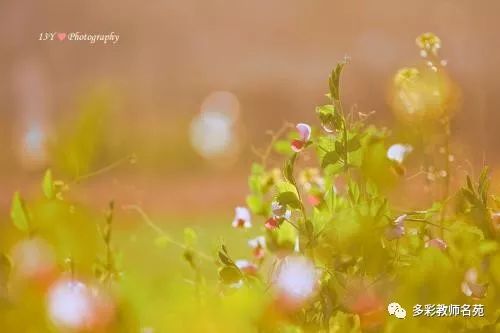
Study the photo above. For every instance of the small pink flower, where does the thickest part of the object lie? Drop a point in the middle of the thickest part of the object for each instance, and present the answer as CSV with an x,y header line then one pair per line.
x,y
397,229
273,222
495,222
305,134
242,218
314,200
280,214
470,286
246,267
437,243
400,220
258,245
278,209
394,232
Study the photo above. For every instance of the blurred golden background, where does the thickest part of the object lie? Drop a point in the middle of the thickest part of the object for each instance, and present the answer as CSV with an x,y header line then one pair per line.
x,y
184,70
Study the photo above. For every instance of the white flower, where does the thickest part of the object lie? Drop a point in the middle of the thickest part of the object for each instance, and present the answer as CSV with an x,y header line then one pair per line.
x,y
280,211
257,242
296,279
258,245
398,152
246,266
242,218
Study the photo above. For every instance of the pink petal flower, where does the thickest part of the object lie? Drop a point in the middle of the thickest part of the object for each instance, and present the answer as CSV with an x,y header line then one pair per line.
x,y
297,145
304,131
258,245
436,243
278,209
242,218
273,223
470,286
246,267
314,200
400,220
394,232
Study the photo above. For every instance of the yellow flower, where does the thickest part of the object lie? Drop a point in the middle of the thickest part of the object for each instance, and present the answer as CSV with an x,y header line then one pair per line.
x,y
428,42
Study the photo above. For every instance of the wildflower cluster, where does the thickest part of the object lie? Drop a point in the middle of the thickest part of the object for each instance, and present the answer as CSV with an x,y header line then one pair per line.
x,y
336,248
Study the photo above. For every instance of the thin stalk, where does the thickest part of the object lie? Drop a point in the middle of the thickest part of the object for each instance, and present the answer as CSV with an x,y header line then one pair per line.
x,y
145,217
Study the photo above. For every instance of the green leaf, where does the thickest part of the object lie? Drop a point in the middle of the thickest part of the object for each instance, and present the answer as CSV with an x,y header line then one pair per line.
x,y
354,143
334,81
5,267
329,117
325,144
288,169
283,147
48,185
289,198
256,204
330,158
339,148
353,191
18,213
224,258
230,274
483,185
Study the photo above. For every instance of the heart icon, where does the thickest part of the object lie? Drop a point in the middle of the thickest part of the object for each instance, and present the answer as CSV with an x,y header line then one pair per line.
x,y
61,36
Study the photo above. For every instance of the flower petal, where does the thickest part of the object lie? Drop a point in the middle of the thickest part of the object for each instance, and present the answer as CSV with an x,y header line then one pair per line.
x,y
436,243
242,218
272,223
304,131
297,145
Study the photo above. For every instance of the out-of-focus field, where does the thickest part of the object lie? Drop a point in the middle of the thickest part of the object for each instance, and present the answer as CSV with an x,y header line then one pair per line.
x,y
167,123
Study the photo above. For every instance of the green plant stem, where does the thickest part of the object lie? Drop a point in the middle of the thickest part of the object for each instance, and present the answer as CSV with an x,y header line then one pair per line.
x,y
264,156
446,185
103,170
162,233
427,222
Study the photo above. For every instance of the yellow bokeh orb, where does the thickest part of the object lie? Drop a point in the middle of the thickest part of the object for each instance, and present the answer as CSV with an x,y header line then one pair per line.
x,y
422,94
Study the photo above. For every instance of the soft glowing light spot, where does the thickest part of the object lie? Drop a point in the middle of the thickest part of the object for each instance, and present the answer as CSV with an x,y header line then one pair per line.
x,y
222,102
70,305
33,151
398,152
297,279
73,305
34,259
212,134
